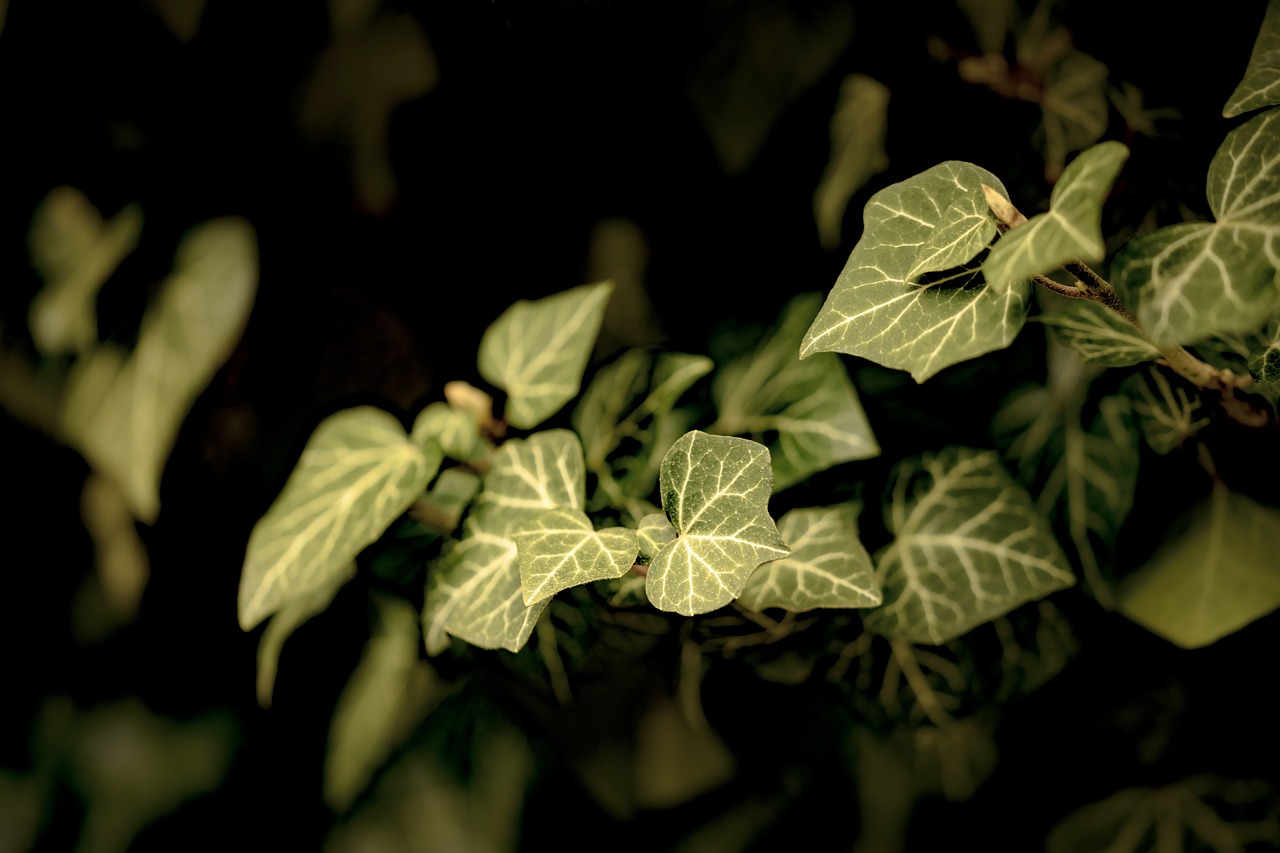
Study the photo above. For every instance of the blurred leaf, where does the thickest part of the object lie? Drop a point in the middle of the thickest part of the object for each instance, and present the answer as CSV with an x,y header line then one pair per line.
x,y
992,21
806,412
1071,230
120,558
1261,84
619,252
1074,104
970,545
911,296
124,414
75,251
537,351
1264,363
287,620
441,508
455,430
715,490
559,549
858,129
388,694
357,474
1099,335
1166,412
1212,578
22,809
827,567
182,17
675,761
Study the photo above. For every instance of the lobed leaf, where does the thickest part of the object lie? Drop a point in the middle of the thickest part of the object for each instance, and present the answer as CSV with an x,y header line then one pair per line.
x,y
807,410
357,474
1216,576
560,549
1100,335
827,567
1261,84
1071,229
537,351
715,490
970,546
911,295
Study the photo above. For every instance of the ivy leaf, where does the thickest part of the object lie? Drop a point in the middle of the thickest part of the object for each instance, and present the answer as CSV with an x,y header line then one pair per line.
x,y
655,531
1099,335
288,619
1216,576
474,591
442,506
1074,105
1071,229
810,407
715,490
560,549
911,295
1264,363
357,474
123,413
970,546
858,130
454,430
828,567
1197,279
75,251
1261,84
1166,412
537,351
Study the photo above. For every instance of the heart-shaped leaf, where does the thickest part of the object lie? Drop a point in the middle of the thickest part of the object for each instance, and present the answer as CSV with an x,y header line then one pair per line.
x,y
358,472
715,490
560,549
911,295
970,546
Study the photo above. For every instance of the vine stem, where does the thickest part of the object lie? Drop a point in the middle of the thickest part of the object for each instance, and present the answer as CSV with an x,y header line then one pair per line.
x,y
1093,287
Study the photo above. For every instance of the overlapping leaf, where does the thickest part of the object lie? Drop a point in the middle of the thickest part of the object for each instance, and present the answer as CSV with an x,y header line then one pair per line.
x,y
537,351
123,413
806,412
1198,279
911,295
287,620
1167,414
474,591
1264,363
560,549
454,430
969,546
1099,335
1216,576
655,531
715,490
1072,229
827,567
358,472
1261,84
858,130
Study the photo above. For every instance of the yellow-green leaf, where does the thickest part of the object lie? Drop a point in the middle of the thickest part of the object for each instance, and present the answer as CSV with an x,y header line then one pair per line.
x,y
1261,84
559,549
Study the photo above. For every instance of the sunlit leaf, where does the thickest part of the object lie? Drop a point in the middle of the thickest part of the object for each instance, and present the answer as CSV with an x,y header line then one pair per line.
x,y
655,531
537,351
715,490
560,549
124,414
474,591
455,431
806,412
911,295
1072,229
858,130
358,472
287,620
1214,577
389,692
1074,105
827,567
1100,335
969,546
1261,84
1197,279
1264,363
75,251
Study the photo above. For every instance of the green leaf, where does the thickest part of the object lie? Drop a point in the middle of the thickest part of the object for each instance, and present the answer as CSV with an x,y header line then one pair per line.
x,y
911,295
537,351
1100,335
124,414
1074,104
655,531
474,591
455,431
289,618
560,549
858,130
75,251
1166,412
1264,363
626,591
442,506
357,473
1198,279
715,490
970,546
1213,578
1261,84
808,408
1072,229
828,567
